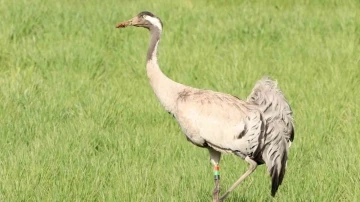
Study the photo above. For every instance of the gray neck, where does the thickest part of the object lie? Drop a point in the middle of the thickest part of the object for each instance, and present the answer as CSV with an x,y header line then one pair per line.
x,y
155,34
165,89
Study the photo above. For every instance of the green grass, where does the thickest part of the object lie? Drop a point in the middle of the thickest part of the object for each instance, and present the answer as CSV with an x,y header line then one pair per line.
x,y
79,121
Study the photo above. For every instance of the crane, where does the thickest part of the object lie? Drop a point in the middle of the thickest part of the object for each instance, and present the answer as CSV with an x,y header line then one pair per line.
x,y
259,130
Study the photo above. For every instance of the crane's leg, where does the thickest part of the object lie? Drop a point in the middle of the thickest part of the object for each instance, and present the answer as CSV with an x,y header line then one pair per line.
x,y
251,169
215,160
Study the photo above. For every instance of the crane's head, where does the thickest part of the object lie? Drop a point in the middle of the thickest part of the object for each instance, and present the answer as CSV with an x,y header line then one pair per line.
x,y
144,19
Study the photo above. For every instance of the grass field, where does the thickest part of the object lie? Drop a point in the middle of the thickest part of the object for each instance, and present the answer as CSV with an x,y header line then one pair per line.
x,y
79,121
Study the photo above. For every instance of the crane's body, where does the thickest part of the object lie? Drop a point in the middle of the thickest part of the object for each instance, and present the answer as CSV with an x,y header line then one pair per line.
x,y
218,120
258,130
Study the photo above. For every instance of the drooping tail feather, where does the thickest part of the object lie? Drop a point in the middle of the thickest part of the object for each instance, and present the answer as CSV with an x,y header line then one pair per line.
x,y
275,155
279,127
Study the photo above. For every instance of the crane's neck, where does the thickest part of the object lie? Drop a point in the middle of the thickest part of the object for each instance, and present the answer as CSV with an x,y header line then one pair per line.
x,y
165,89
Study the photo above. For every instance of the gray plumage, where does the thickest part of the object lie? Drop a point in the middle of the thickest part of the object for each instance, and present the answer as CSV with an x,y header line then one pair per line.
x,y
259,130
279,127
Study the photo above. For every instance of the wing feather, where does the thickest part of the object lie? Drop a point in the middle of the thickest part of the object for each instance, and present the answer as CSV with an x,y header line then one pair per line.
x,y
279,128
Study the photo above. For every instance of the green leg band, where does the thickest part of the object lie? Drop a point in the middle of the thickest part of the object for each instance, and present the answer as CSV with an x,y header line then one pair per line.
x,y
217,175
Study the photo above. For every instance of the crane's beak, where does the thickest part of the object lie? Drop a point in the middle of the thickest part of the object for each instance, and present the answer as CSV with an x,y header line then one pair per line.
x,y
124,24
132,22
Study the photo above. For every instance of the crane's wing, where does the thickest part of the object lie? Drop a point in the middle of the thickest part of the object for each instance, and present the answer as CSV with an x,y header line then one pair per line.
x,y
221,121
279,127
272,103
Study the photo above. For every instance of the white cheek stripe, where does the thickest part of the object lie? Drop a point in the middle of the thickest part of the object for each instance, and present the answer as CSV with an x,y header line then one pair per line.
x,y
154,21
